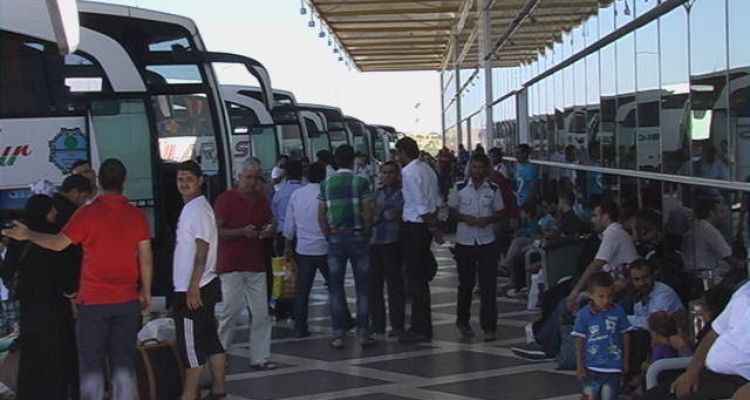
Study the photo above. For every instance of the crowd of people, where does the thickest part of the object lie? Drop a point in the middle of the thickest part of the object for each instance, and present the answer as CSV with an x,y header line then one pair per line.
x,y
80,266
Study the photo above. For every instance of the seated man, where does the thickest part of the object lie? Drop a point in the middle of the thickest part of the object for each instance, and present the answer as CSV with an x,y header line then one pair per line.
x,y
616,252
704,248
721,364
650,297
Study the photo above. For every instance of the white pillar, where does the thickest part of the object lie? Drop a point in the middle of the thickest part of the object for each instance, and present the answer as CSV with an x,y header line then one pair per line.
x,y
484,17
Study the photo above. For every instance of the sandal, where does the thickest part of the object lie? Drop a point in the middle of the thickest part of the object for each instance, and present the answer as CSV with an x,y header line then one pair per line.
x,y
215,396
266,366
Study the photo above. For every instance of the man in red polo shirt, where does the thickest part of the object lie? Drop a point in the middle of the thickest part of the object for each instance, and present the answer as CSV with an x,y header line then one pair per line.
x,y
244,218
115,282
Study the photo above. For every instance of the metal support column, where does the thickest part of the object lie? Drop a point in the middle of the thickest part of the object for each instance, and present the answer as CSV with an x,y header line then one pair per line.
x,y
485,47
442,104
457,81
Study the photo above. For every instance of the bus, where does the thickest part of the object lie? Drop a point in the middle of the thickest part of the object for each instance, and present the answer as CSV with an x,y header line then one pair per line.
x,y
383,138
336,128
140,87
299,132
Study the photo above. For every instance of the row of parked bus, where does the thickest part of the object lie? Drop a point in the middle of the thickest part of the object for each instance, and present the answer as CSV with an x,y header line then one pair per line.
x,y
142,87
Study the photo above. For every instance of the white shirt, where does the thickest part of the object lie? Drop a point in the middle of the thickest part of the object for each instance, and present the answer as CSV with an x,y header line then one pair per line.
x,y
329,171
730,353
616,250
704,247
197,221
420,190
302,221
277,173
485,201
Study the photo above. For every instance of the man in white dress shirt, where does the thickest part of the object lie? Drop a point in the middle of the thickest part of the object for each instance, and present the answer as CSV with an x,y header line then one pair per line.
x,y
479,205
311,250
421,197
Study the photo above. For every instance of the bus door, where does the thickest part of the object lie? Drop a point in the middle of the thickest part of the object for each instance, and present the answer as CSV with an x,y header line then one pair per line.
x,y
291,132
317,136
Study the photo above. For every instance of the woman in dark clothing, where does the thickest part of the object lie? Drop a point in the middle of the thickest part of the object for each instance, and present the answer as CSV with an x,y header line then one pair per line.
x,y
47,366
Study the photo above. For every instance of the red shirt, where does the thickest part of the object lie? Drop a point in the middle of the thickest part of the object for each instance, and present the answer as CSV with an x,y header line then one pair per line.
x,y
237,210
506,189
109,230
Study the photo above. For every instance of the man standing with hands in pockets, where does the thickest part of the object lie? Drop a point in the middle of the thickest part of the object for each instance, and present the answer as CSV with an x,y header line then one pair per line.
x,y
197,287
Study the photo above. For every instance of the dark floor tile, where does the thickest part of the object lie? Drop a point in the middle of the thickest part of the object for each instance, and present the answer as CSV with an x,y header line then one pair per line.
x,y
522,386
320,349
448,332
432,366
297,384
524,317
502,307
376,396
241,365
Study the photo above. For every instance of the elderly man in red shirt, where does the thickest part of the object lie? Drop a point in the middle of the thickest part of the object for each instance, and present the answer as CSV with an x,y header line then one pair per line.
x,y
244,218
115,282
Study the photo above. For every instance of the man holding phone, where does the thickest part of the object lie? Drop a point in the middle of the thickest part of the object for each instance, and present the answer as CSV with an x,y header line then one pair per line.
x,y
197,287
243,217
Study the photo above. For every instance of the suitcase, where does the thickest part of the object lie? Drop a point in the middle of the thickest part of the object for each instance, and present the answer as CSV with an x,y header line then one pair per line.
x,y
159,370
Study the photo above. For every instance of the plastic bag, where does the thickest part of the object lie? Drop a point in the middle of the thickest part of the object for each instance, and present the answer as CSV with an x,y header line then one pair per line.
x,y
161,329
284,278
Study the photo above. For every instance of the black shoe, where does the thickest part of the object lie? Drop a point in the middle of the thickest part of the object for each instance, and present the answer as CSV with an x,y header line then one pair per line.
x,y
490,336
409,337
395,333
337,343
367,341
465,331
531,352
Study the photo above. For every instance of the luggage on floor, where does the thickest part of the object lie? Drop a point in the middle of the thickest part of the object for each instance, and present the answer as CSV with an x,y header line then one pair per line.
x,y
159,371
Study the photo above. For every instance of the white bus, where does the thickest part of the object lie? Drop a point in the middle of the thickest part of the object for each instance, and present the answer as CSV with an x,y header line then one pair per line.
x,y
299,131
141,87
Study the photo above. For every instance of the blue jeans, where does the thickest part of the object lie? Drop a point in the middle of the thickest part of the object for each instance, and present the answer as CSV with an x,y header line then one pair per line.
x,y
353,248
108,331
602,386
306,267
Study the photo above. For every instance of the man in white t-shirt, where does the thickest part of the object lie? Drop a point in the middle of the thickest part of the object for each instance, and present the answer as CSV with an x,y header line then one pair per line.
x,y
197,287
616,251
721,364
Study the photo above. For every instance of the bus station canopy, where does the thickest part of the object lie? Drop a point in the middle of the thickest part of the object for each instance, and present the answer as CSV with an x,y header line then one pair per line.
x,y
399,35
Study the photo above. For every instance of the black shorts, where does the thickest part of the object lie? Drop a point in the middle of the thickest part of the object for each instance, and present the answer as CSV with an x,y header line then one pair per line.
x,y
198,331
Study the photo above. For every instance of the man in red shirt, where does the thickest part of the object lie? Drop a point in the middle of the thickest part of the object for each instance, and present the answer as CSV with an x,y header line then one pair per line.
x,y
243,216
115,282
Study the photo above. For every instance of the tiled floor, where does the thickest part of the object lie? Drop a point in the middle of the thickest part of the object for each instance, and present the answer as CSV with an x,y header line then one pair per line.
x,y
449,368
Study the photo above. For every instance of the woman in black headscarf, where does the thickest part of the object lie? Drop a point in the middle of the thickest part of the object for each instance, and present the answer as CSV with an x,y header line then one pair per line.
x,y
48,363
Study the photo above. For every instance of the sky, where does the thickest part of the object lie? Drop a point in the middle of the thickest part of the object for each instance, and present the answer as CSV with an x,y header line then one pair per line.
x,y
274,33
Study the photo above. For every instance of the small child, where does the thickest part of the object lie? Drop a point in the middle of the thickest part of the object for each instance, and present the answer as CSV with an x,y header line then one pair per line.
x,y
601,341
664,336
